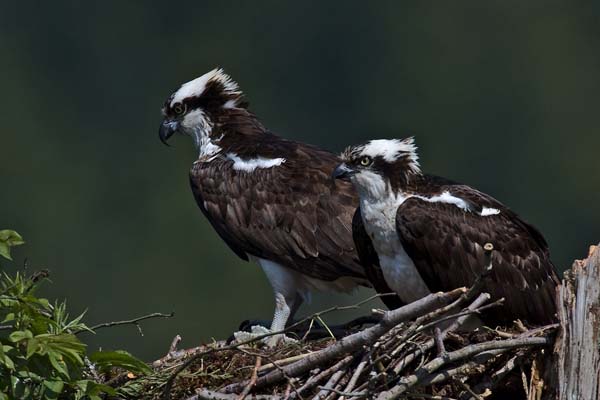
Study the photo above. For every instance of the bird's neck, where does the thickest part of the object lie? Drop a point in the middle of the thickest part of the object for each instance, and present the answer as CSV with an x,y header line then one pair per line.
x,y
372,186
220,133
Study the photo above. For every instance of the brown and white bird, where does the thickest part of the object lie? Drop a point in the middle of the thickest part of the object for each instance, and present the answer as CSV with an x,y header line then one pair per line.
x,y
270,199
428,234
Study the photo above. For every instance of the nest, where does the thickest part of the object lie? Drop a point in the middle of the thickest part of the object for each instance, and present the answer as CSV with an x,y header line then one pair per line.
x,y
417,351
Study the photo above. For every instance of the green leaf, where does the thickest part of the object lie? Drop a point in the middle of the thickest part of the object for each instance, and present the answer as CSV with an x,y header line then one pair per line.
x,y
9,317
121,359
8,239
68,345
33,346
94,389
53,389
58,364
11,237
4,359
17,336
44,303
5,251
6,348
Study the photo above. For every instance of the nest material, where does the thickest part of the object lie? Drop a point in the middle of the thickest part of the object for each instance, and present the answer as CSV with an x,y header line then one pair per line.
x,y
417,351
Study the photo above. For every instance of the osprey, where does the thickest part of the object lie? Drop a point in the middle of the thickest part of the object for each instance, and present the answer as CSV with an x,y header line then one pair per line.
x,y
428,234
270,199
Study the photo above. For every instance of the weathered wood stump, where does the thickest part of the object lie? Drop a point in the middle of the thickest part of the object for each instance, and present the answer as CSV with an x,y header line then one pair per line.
x,y
578,345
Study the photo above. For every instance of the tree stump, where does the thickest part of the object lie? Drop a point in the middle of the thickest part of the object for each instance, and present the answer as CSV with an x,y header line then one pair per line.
x,y
578,344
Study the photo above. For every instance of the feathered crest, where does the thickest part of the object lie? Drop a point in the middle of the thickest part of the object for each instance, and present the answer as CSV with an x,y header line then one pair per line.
x,y
390,151
213,87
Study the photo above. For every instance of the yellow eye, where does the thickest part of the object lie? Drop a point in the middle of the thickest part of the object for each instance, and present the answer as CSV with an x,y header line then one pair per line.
x,y
178,108
365,161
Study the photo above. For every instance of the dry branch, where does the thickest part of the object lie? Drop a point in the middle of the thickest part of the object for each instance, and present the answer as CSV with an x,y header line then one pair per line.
x,y
134,321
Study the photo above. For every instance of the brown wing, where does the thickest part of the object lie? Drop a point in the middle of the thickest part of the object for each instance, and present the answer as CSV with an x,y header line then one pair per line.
x,y
446,245
370,261
293,214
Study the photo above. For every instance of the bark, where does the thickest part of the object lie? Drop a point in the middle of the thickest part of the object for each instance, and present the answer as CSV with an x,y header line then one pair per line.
x,y
577,347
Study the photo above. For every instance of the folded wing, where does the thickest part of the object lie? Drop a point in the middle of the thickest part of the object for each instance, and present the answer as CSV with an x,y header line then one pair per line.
x,y
446,244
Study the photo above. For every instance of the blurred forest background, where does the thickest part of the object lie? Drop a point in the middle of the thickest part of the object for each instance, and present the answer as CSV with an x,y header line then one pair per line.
x,y
503,95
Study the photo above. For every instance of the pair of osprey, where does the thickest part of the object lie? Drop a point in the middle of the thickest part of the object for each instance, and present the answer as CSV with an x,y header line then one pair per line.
x,y
383,224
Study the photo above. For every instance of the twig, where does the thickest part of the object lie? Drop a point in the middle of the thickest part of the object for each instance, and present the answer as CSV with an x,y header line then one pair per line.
x,y
468,351
399,366
468,389
357,372
314,381
318,317
353,342
502,334
252,379
134,321
439,341
465,312
497,376
204,394
344,393
179,354
288,389
174,343
330,385
427,396
469,368
282,362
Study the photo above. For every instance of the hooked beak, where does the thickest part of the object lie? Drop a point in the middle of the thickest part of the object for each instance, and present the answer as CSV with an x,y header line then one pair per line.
x,y
342,172
167,129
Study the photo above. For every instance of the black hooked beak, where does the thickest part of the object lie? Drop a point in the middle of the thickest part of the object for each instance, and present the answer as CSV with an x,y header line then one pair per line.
x,y
342,172
167,129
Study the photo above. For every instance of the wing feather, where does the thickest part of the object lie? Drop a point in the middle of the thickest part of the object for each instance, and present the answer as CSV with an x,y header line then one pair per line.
x,y
446,245
292,214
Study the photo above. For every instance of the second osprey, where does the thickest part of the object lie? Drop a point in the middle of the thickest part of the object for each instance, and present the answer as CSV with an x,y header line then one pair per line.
x,y
429,233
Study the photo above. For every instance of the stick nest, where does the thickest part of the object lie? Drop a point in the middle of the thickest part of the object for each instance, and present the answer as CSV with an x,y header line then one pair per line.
x,y
419,351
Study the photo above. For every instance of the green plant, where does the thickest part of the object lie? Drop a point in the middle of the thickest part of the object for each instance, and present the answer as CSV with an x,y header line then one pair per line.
x,y
40,355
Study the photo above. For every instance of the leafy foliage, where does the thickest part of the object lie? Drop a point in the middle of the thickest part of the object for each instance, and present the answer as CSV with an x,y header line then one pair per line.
x,y
9,239
40,355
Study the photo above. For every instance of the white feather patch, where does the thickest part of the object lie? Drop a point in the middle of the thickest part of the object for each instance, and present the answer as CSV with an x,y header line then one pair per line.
x,y
253,163
486,211
392,149
448,198
197,86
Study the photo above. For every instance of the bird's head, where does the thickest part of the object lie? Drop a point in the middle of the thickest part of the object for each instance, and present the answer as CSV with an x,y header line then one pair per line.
x,y
379,164
197,106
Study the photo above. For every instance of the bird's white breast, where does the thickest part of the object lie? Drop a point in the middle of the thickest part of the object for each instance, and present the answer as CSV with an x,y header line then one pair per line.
x,y
399,271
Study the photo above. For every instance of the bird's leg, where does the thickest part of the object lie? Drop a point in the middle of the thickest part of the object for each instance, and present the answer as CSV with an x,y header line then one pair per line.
x,y
285,308
287,300
282,313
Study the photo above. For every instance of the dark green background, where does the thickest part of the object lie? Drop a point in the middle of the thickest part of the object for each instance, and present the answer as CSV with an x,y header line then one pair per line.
x,y
503,95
